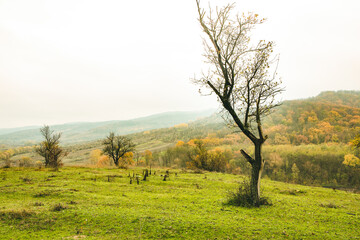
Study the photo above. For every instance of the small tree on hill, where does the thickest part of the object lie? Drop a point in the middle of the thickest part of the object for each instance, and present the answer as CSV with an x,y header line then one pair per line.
x,y
355,143
353,160
239,76
116,147
50,148
148,155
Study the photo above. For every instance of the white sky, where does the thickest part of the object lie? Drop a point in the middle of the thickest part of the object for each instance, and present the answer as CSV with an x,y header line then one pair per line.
x,y
91,60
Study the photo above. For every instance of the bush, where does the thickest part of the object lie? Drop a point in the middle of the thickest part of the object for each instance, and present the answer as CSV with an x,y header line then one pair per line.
x,y
15,214
26,162
242,197
58,207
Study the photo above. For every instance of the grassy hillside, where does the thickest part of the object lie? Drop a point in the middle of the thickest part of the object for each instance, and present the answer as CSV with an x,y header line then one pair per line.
x,y
83,132
78,203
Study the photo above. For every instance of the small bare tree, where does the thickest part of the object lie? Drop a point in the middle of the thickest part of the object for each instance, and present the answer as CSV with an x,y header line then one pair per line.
x,y
239,75
116,146
50,148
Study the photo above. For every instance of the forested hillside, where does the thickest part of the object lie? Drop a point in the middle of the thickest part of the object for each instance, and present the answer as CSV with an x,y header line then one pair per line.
x,y
329,117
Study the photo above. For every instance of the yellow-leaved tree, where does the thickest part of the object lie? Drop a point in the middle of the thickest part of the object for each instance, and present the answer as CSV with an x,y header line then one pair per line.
x,y
95,156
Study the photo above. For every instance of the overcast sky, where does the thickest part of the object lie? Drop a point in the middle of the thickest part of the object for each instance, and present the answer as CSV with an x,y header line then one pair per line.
x,y
71,60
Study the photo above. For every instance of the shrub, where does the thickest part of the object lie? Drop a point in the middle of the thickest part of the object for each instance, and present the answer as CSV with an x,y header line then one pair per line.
x,y
242,197
15,214
42,194
38,204
26,162
329,205
58,207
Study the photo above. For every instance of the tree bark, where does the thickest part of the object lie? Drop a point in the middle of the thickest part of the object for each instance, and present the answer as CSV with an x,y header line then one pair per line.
x,y
257,167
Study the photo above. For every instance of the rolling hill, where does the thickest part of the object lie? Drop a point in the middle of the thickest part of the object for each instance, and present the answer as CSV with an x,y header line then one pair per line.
x,y
89,131
330,116
308,141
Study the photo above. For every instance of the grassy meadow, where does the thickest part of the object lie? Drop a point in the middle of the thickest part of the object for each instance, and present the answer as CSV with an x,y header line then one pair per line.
x,y
92,203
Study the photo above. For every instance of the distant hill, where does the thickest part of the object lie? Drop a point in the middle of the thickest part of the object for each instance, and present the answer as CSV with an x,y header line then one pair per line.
x,y
345,98
89,131
332,116
12,130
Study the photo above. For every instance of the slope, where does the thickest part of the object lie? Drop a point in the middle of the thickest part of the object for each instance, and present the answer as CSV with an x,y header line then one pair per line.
x,y
328,117
89,131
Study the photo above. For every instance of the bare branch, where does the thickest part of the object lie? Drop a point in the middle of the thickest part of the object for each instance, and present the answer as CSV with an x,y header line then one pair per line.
x,y
247,157
238,74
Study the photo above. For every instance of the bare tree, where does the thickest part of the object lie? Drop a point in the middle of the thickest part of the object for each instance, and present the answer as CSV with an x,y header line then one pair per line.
x,y
50,148
239,75
116,146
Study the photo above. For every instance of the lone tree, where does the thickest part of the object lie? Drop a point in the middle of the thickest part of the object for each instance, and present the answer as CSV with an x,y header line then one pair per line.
x,y
50,148
117,146
239,75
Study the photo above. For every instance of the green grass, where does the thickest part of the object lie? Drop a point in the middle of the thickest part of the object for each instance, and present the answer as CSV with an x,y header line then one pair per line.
x,y
77,203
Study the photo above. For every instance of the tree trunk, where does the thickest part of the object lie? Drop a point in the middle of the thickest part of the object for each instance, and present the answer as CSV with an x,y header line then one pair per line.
x,y
257,167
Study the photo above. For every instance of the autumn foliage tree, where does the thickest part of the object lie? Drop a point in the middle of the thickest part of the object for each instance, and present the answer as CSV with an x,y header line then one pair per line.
x,y
148,155
116,147
356,142
128,158
200,157
240,77
95,156
353,160
50,148
5,156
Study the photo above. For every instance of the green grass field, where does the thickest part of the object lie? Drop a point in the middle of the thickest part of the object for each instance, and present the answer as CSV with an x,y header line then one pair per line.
x,y
90,203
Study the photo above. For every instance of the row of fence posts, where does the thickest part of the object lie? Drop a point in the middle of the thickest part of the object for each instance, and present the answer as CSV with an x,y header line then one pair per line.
x,y
145,174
